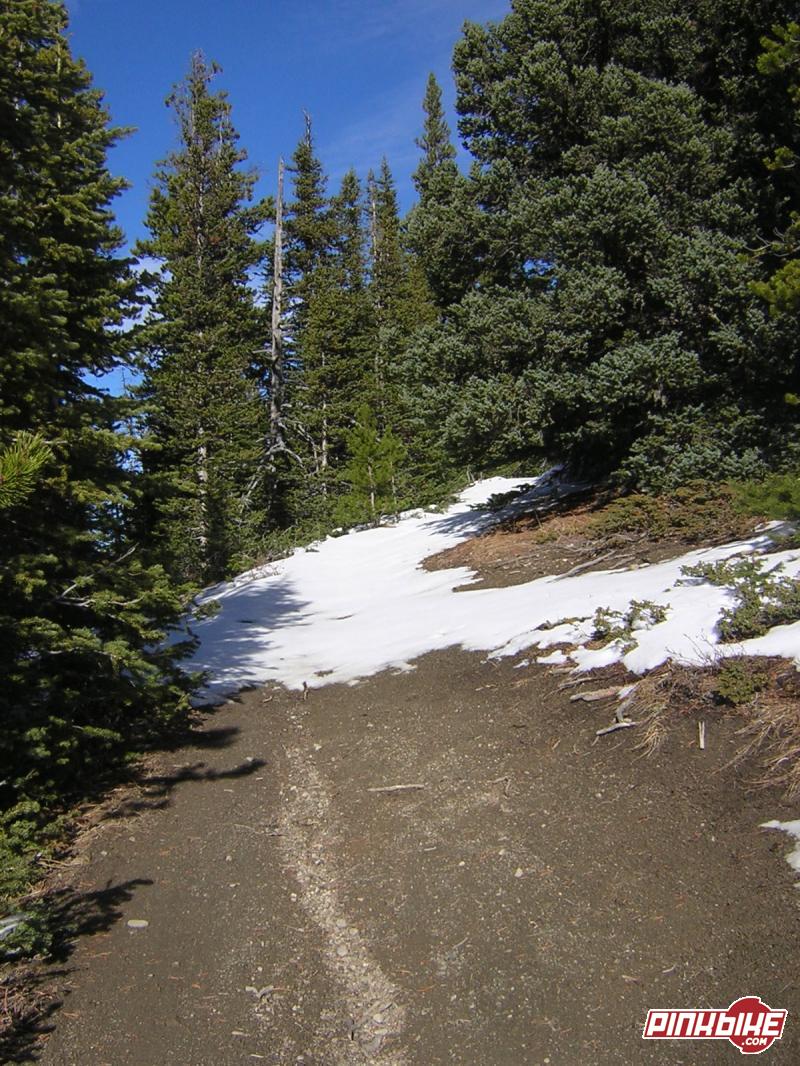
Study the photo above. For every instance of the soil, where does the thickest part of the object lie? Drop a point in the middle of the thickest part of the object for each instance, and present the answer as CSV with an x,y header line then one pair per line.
x,y
544,543
527,903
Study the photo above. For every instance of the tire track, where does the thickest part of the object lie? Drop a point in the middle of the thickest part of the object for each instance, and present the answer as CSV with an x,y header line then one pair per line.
x,y
371,1002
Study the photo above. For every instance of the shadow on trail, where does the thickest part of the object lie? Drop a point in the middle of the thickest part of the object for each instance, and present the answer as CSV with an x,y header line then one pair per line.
x,y
27,1000
158,788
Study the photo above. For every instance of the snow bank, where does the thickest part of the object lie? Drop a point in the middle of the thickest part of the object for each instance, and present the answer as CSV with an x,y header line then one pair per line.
x,y
353,605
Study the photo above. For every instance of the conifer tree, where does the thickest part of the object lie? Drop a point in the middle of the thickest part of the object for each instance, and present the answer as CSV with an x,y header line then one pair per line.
x,y
309,247
604,311
206,421
781,60
436,144
82,615
341,322
371,471
443,226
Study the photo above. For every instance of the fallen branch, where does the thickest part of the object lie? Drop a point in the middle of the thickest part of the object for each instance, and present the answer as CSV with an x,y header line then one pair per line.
x,y
572,684
397,788
596,694
585,566
626,724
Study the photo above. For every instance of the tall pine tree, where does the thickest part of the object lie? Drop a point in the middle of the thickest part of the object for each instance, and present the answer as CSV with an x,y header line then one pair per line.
x,y
606,314
443,226
309,248
81,614
206,420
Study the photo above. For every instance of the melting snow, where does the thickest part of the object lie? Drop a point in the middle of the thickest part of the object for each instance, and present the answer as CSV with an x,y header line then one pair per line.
x,y
793,829
352,605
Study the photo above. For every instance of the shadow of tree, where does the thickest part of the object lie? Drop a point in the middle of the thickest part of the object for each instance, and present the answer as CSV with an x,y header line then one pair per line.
x,y
28,1001
28,997
157,788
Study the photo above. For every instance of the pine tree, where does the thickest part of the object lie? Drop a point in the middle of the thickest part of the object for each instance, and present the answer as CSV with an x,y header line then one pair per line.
x,y
603,313
206,421
438,153
781,60
309,248
341,321
82,617
443,227
371,471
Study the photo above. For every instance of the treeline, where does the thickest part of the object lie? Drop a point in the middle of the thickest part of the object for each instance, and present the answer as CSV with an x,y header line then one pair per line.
x,y
272,402
613,284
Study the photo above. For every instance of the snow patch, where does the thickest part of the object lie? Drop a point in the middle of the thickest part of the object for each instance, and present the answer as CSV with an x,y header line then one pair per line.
x,y
793,829
353,605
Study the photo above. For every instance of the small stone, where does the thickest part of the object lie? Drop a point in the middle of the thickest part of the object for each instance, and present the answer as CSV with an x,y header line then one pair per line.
x,y
229,858
137,923
519,872
341,951
341,923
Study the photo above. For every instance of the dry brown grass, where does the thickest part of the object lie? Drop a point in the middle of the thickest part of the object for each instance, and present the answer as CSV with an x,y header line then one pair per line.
x,y
769,717
771,733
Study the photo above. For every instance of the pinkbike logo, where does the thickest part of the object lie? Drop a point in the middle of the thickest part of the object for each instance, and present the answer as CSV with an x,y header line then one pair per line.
x,y
748,1023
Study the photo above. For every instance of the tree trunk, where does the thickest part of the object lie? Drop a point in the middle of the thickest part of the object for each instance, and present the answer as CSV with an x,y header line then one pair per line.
x,y
276,378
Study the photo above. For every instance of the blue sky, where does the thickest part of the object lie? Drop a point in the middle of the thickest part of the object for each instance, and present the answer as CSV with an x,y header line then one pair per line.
x,y
358,67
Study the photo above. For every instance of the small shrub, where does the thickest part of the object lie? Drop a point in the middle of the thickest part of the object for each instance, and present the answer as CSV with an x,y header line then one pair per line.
x,y
777,496
738,683
617,625
498,500
699,511
763,598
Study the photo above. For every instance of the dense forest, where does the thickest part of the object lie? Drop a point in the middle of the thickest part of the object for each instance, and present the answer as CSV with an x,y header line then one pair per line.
x,y
613,285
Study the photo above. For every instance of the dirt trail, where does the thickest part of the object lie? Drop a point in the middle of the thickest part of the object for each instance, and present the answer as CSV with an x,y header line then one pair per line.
x,y
526,906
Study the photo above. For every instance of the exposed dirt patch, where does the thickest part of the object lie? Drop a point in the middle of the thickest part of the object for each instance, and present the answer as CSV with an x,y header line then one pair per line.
x,y
589,531
527,905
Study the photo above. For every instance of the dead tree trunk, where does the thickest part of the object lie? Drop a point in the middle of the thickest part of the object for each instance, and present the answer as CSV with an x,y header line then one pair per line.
x,y
276,375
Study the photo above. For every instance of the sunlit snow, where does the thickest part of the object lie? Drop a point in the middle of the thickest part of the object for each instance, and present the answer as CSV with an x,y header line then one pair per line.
x,y
353,605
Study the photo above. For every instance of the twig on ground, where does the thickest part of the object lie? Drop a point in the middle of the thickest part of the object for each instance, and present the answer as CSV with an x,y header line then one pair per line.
x,y
397,788
596,694
614,727
585,566
573,683
620,722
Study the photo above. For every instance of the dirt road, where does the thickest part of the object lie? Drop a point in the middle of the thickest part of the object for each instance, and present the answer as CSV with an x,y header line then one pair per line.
x,y
528,904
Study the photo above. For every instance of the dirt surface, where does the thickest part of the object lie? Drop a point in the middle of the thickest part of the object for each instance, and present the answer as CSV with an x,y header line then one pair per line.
x,y
528,904
566,537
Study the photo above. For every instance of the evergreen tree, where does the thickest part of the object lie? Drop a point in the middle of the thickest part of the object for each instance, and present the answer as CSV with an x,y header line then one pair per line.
x,y
438,153
205,421
82,616
443,226
341,320
781,59
309,247
618,185
371,471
